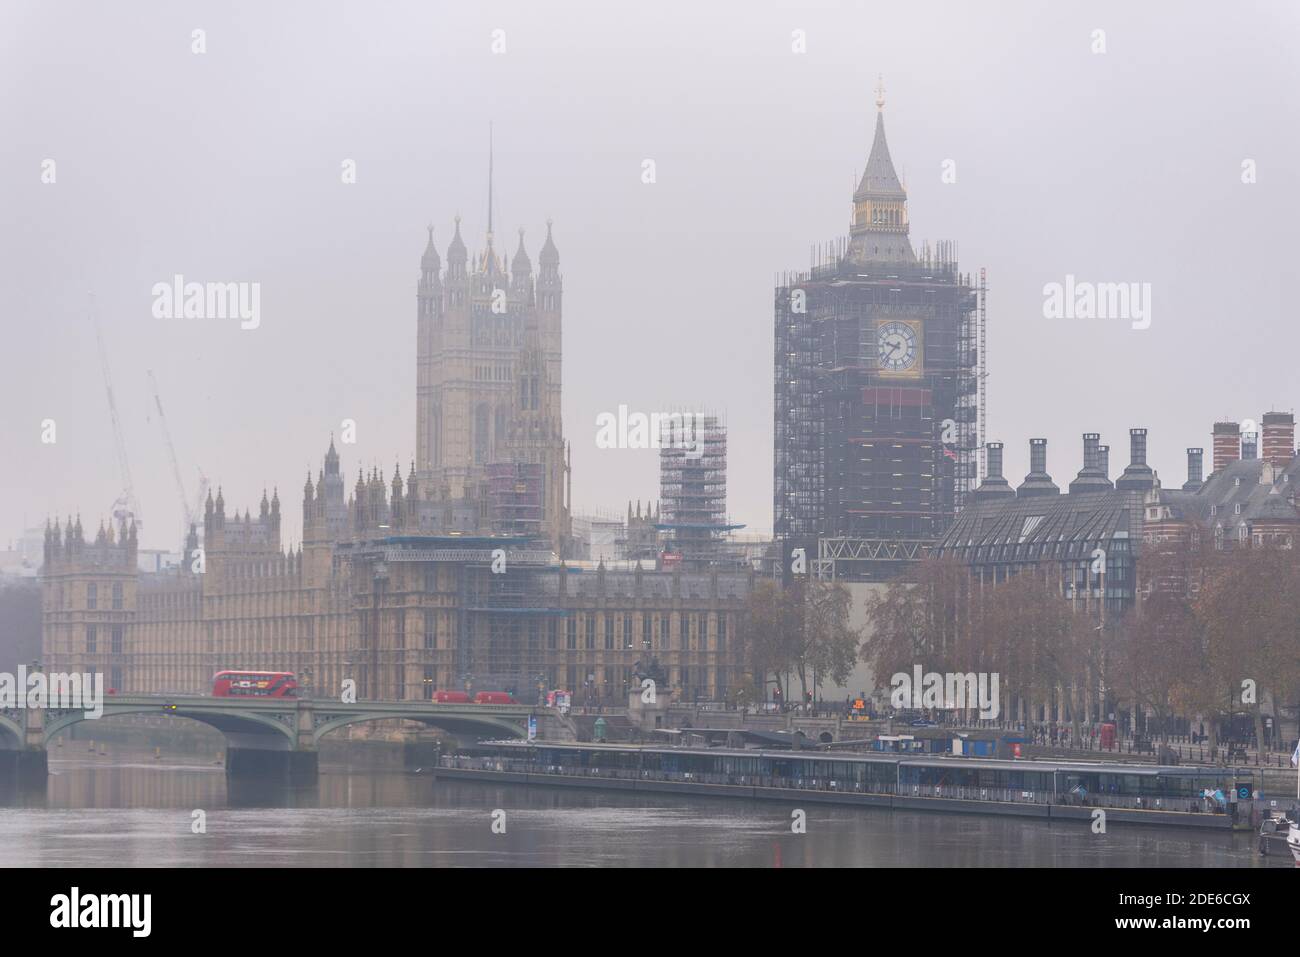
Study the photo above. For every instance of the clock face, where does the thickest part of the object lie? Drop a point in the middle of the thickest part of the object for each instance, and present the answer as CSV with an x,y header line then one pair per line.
x,y
896,346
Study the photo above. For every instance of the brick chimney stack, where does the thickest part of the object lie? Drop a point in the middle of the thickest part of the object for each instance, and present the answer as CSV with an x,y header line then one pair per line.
x,y
1279,438
1227,444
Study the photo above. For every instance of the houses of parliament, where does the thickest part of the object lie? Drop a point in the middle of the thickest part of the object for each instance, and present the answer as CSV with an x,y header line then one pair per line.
x,y
457,574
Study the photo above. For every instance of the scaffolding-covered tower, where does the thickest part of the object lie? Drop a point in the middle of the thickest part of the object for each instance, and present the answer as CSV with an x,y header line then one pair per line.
x,y
878,389
514,498
693,490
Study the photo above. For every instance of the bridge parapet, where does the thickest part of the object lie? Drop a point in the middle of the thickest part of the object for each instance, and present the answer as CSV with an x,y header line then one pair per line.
x,y
257,729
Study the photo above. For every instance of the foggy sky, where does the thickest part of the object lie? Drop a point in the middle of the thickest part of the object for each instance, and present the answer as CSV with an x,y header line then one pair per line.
x,y
1121,167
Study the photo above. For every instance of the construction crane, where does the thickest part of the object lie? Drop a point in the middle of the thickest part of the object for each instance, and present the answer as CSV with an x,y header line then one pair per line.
x,y
126,509
191,510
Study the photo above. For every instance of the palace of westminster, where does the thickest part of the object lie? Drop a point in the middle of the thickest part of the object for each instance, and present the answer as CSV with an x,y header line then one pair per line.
x,y
460,575
471,572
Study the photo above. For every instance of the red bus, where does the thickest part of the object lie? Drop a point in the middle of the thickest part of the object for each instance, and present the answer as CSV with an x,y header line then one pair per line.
x,y
265,684
493,697
451,697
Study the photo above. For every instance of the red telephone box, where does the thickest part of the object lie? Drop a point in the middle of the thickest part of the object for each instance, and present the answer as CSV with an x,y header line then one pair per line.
x,y
1108,737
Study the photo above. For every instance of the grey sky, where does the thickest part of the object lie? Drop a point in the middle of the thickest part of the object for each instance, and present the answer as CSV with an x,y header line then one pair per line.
x,y
225,166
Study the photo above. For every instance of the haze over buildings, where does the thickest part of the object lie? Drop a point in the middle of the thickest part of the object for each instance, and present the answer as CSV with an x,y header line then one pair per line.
x,y
230,171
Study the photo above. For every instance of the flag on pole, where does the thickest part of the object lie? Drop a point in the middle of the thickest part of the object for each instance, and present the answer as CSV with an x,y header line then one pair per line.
x,y
1295,756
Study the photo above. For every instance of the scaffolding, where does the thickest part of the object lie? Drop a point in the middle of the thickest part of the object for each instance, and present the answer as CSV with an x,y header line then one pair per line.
x,y
514,498
969,412
693,489
867,454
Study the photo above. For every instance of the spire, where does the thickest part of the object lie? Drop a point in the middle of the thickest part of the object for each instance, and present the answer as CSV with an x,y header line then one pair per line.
x,y
549,256
490,265
429,262
879,228
879,178
331,458
521,266
456,252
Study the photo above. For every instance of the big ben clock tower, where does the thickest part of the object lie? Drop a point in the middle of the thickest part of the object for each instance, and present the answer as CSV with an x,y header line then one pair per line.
x,y
876,384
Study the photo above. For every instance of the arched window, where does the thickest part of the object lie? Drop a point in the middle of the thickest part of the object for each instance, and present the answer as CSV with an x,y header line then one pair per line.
x,y
499,432
482,434
435,434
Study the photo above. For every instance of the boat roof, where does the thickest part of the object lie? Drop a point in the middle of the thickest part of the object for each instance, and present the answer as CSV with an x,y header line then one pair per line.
x,y
890,757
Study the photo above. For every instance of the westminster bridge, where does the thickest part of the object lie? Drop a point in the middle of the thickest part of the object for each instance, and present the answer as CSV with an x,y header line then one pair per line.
x,y
267,736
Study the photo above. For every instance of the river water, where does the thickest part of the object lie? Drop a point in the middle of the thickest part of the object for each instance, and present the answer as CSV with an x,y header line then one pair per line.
x,y
128,809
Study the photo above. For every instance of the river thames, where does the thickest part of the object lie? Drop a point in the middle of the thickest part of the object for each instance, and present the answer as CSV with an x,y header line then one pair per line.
x,y
128,809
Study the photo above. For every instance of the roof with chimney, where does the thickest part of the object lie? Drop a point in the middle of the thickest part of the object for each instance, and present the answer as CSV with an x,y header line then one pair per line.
x,y
1037,522
1042,527
1247,490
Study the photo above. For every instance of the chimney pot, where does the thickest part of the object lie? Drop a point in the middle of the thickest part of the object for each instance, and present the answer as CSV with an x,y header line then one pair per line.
x,y
994,459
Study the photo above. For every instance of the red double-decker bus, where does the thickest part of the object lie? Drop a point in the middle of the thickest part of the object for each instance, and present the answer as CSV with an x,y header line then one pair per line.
x,y
264,684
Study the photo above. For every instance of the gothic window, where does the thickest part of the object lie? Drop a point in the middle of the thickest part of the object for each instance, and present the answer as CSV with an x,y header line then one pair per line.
x,y
92,595
482,436
117,596
500,434
435,435
90,639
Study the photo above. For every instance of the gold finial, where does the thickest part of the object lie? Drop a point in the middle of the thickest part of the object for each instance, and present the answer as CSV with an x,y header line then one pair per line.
x,y
880,91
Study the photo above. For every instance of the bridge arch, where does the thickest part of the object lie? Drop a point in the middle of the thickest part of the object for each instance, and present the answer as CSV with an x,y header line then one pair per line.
x,y
269,733
11,734
448,722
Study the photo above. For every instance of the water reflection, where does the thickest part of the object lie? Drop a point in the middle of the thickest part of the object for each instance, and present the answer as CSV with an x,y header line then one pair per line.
x,y
127,808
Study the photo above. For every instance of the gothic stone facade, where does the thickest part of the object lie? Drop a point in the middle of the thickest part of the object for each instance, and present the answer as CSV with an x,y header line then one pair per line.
x,y
373,596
